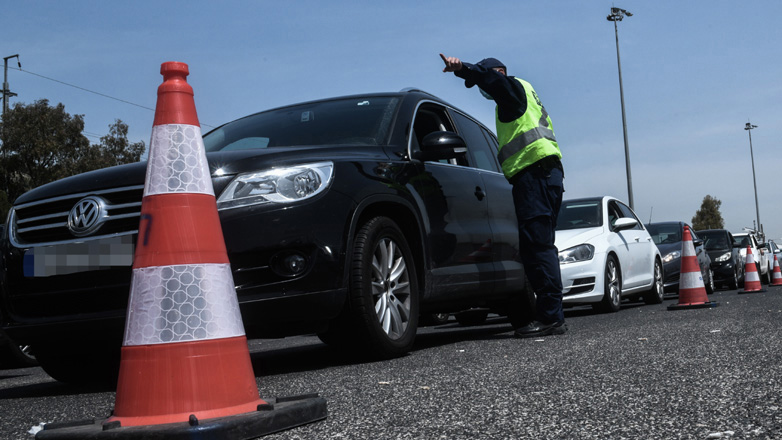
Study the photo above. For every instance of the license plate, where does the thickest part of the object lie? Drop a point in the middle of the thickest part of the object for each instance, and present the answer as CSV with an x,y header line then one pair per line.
x,y
68,258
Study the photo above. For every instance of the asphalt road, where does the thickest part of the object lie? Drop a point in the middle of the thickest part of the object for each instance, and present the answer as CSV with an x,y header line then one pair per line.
x,y
642,373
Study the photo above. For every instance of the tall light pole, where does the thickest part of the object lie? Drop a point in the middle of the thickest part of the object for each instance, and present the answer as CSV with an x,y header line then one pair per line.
x,y
749,128
617,14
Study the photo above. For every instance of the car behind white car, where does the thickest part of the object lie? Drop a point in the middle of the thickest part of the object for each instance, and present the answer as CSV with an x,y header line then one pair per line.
x,y
606,255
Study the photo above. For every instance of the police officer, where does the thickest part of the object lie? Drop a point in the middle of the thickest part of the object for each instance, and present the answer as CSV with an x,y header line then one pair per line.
x,y
530,159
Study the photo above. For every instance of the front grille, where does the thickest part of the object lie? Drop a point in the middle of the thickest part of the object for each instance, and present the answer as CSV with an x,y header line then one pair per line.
x,y
45,222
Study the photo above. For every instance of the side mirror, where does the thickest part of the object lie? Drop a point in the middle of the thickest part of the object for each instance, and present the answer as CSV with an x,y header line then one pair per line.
x,y
441,145
697,242
625,223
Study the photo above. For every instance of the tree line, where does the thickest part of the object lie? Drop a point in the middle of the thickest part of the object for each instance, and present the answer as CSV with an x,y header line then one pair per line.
x,y
42,143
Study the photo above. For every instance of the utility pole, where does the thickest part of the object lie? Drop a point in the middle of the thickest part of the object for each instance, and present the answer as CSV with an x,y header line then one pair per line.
x,y
7,94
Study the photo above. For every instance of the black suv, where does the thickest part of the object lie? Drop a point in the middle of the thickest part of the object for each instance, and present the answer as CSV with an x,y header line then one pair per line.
x,y
346,217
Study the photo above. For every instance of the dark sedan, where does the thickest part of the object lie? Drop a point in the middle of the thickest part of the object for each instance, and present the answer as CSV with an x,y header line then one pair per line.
x,y
726,262
668,237
346,217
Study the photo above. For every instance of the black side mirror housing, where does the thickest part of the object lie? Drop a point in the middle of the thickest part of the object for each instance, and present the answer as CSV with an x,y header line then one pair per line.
x,y
441,145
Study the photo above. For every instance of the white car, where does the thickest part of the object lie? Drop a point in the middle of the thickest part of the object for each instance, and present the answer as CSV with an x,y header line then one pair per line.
x,y
606,255
764,262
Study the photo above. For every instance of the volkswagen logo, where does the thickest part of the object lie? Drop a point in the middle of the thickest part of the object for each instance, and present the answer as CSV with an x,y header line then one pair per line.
x,y
87,216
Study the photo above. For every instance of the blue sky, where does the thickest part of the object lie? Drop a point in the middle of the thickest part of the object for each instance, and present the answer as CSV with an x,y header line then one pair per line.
x,y
694,73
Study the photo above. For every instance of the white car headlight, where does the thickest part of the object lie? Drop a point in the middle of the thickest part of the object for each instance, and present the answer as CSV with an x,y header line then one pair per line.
x,y
672,256
724,257
581,252
277,185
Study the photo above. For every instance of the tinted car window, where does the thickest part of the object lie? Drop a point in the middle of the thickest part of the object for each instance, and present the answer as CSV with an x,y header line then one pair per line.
x,y
663,234
430,118
343,121
480,151
715,240
579,214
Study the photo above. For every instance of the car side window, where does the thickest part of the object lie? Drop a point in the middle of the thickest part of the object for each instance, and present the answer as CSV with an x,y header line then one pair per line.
x,y
614,214
481,152
431,118
627,212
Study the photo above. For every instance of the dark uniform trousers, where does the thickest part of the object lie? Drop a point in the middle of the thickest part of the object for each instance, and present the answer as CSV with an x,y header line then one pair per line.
x,y
537,195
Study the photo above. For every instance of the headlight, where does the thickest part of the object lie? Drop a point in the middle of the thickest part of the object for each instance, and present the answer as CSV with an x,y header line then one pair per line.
x,y
581,252
277,185
672,256
724,257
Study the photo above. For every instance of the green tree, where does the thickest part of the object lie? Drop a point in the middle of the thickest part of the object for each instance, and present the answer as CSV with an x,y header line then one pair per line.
x,y
41,143
709,216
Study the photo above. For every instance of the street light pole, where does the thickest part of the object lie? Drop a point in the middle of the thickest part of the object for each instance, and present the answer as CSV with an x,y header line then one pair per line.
x,y
617,14
749,128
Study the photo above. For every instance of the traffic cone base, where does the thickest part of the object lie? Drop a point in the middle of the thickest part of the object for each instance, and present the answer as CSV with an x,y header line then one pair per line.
x,y
278,414
692,291
703,305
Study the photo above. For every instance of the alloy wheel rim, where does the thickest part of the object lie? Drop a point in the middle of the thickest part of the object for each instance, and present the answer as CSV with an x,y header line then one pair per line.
x,y
658,280
613,282
391,288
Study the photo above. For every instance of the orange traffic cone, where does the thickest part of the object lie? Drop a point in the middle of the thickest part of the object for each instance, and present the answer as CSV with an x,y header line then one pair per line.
x,y
186,369
776,279
751,275
692,291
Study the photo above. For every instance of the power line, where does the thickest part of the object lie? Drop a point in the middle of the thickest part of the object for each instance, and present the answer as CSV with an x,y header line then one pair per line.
x,y
86,90
93,92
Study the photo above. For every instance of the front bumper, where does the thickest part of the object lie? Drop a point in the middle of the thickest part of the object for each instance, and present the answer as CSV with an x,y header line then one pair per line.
x,y
583,281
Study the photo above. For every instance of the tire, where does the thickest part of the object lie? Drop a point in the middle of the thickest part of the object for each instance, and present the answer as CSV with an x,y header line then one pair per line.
x,y
612,287
710,285
82,365
472,317
381,316
734,283
521,309
432,319
13,355
656,293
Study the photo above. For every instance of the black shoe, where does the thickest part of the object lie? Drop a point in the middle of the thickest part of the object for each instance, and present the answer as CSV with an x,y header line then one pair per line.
x,y
536,329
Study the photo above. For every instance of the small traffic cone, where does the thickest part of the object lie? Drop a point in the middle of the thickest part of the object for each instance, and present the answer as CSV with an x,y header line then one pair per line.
x,y
185,369
776,279
751,275
692,291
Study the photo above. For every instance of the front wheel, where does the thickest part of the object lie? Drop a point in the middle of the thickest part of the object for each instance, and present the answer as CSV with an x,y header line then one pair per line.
x,y
656,293
710,284
612,290
734,283
382,312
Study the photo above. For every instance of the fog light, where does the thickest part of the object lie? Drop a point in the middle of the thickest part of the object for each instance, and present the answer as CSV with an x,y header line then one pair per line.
x,y
289,264
294,264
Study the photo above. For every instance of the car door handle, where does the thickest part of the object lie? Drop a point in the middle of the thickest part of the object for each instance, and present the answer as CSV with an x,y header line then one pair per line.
x,y
479,193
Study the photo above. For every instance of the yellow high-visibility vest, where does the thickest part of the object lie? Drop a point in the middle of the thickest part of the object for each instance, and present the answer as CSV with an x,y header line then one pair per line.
x,y
527,139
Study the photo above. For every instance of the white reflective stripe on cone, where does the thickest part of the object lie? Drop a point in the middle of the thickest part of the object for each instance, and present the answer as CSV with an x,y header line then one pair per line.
x,y
752,276
691,279
177,161
688,250
182,303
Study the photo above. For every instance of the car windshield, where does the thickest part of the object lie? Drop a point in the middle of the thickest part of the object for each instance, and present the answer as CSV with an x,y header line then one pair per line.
x,y
579,215
664,234
363,120
743,240
715,240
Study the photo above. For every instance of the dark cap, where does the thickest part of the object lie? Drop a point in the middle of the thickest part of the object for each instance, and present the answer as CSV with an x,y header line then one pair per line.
x,y
491,63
